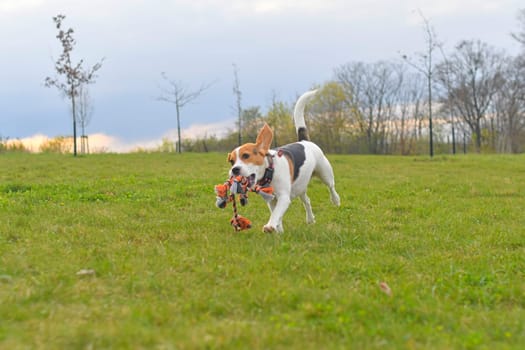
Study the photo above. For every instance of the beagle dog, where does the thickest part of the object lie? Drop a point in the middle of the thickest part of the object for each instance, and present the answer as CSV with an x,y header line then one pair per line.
x,y
288,168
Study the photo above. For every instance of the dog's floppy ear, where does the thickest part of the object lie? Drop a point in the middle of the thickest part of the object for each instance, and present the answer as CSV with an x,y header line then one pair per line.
x,y
231,158
264,139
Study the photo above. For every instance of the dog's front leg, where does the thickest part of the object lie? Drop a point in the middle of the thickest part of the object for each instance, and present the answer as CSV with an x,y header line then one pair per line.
x,y
271,204
275,222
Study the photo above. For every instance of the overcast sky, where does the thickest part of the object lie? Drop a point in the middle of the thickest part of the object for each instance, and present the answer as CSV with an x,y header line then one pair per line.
x,y
281,48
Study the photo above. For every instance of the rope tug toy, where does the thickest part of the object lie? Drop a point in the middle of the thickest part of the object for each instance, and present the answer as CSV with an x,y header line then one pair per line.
x,y
240,185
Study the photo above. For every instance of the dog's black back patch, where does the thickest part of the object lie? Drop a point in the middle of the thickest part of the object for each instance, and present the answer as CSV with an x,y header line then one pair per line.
x,y
294,152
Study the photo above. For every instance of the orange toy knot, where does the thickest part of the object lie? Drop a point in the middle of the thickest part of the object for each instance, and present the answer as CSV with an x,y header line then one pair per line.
x,y
240,223
265,191
221,192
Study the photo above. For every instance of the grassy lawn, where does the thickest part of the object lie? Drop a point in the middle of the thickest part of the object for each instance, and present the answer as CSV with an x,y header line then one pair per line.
x,y
165,270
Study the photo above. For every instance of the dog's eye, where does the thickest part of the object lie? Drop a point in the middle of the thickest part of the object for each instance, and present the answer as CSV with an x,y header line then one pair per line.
x,y
245,156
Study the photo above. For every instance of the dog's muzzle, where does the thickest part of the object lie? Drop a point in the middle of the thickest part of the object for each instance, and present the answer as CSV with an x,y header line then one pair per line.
x,y
236,171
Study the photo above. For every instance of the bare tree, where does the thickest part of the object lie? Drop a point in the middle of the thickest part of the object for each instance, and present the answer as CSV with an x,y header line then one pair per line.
x,y
473,75
179,95
238,96
372,91
408,124
520,36
74,74
509,108
425,64
510,100
447,107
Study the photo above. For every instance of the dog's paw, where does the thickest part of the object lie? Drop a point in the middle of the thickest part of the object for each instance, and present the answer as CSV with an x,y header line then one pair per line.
x,y
268,229
310,220
335,199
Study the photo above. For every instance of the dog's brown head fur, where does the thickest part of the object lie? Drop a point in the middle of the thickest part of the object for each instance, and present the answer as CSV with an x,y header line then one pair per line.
x,y
253,152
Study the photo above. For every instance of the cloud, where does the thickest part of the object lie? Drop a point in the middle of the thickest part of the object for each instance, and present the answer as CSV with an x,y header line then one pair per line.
x,y
32,143
105,143
264,7
16,6
98,143
196,131
101,142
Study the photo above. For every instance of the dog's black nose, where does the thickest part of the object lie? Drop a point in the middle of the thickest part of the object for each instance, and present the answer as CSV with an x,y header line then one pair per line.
x,y
236,170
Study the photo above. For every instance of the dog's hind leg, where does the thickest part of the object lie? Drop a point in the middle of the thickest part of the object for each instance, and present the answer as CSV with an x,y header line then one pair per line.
x,y
310,218
325,172
334,197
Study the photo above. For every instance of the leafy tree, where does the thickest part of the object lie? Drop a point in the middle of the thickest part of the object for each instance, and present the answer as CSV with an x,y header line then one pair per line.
x,y
60,144
280,118
73,75
251,122
332,118
7,145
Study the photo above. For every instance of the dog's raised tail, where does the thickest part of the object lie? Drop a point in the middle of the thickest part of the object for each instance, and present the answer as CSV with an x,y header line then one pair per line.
x,y
298,115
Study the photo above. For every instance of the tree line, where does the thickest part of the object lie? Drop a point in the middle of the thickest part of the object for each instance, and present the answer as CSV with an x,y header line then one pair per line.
x,y
475,93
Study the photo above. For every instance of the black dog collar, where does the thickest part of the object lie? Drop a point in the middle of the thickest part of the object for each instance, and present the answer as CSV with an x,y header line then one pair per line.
x,y
268,173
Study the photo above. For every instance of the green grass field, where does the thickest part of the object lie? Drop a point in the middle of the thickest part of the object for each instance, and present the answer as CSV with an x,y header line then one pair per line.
x,y
447,235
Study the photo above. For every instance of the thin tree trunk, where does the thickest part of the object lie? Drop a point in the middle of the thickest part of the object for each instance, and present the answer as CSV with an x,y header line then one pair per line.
x,y
453,138
430,127
74,122
179,144
478,136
